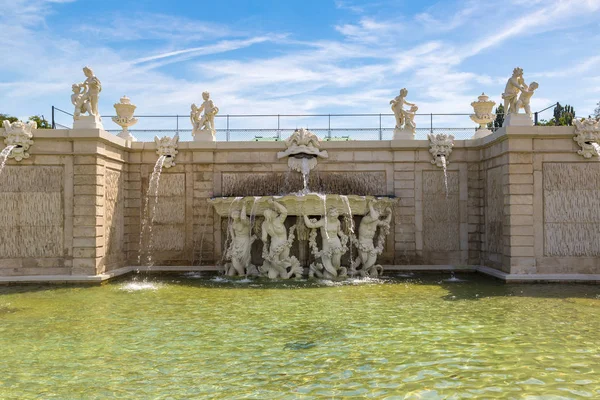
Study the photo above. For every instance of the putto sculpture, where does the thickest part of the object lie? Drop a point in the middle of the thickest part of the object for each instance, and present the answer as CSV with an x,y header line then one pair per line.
x,y
483,115
405,124
203,125
19,137
85,99
125,118
587,136
167,147
333,245
369,247
277,243
440,147
517,94
303,149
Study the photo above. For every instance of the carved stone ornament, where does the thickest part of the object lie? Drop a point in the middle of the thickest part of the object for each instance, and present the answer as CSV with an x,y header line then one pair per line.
x,y
303,144
587,136
19,135
167,147
483,115
440,147
125,118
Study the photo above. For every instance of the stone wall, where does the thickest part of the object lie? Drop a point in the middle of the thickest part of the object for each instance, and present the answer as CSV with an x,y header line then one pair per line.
x,y
520,201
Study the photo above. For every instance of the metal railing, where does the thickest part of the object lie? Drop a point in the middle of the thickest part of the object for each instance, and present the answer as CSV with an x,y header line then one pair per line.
x,y
274,127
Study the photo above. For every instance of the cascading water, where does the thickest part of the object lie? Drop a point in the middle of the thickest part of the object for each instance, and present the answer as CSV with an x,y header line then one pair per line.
x,y
148,219
305,175
324,198
444,166
350,223
204,224
4,156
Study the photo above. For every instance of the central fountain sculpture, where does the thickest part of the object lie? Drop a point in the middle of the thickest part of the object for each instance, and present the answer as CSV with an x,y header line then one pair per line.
x,y
316,213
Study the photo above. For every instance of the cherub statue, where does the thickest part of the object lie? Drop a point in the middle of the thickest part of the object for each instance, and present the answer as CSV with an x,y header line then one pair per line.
x,y
81,103
332,248
398,108
514,86
525,97
207,120
240,249
409,118
367,250
276,253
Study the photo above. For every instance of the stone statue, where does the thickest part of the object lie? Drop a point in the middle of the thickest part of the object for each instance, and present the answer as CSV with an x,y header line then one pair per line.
x,y
19,135
405,124
204,124
85,99
367,250
302,143
167,147
514,86
82,105
440,145
332,248
276,254
240,249
587,136
525,97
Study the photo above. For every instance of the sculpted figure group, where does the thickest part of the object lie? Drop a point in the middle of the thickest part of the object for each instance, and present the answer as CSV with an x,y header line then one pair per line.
x,y
517,93
277,242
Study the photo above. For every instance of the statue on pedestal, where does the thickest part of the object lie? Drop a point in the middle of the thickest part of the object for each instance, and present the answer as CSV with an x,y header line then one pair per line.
x,y
517,95
332,248
367,250
405,124
204,124
276,254
85,99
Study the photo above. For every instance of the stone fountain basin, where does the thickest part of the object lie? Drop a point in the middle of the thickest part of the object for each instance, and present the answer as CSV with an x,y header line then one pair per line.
x,y
309,204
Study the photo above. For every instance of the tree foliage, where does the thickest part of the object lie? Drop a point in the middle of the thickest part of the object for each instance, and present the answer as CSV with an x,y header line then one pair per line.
x,y
499,118
563,116
597,111
41,122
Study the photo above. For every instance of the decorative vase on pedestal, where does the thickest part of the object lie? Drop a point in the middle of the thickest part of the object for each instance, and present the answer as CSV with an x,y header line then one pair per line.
x,y
483,115
125,118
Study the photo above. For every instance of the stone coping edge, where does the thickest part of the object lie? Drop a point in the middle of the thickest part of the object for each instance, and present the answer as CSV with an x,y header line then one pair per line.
x,y
105,277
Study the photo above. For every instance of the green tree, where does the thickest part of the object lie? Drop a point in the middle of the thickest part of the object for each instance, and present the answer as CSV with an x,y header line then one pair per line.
x,y
597,111
563,116
6,117
499,118
41,122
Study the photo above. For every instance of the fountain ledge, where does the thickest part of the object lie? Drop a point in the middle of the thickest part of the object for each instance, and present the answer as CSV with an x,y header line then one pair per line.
x,y
105,277
307,204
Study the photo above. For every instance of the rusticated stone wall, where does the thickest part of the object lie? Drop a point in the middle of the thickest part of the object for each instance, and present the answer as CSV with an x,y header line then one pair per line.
x,y
494,216
114,216
571,209
31,219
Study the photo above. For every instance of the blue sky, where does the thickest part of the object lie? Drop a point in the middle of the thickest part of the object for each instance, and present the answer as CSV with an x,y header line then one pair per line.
x,y
277,57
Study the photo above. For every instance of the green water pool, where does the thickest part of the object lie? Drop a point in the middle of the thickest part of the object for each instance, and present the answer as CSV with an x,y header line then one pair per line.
x,y
187,337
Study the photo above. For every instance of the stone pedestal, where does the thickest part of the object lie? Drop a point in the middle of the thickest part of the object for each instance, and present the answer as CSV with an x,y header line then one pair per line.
x,y
204,135
88,122
125,134
481,132
403,134
517,120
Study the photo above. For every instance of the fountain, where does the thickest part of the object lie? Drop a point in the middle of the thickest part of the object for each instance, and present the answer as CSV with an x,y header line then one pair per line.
x,y
317,222
440,148
18,138
167,147
587,136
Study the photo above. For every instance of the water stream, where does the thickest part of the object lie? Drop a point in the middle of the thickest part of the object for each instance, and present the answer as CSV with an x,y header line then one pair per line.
x,y
305,175
445,167
4,156
149,214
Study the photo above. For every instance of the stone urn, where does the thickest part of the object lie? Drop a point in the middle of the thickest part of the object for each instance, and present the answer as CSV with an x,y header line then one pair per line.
x,y
483,115
125,118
